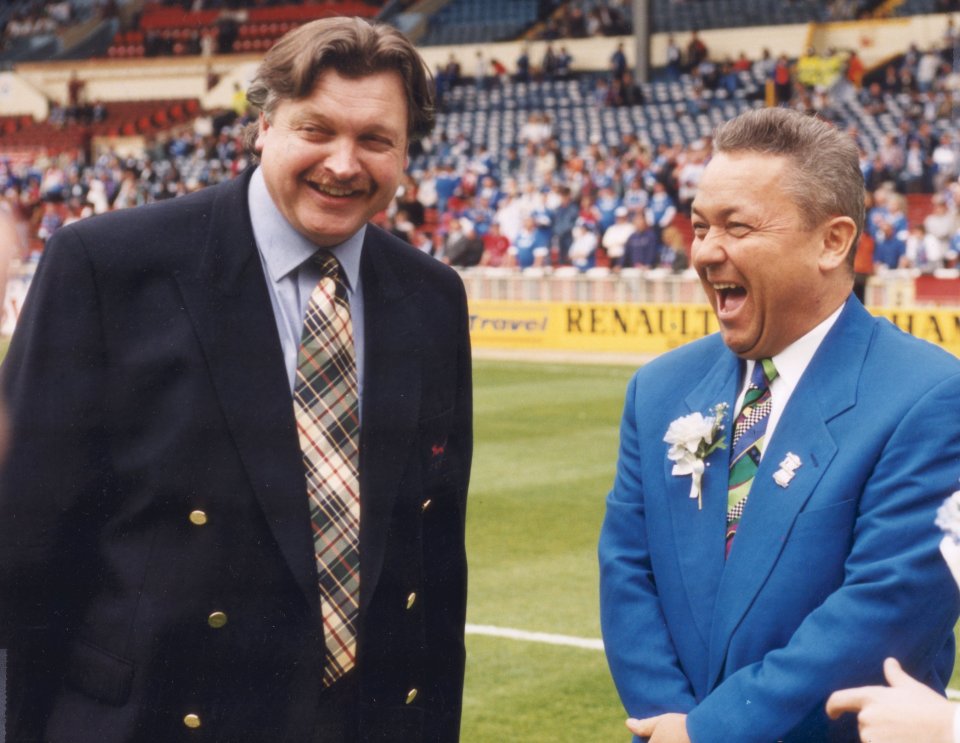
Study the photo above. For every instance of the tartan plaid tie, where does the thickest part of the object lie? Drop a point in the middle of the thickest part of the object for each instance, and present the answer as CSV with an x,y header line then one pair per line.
x,y
748,432
328,421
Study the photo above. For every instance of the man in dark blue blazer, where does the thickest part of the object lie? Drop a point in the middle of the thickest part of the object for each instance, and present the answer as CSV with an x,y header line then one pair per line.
x,y
728,620
158,566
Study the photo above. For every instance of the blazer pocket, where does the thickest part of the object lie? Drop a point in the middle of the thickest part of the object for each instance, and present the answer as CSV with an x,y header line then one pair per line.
x,y
99,674
829,518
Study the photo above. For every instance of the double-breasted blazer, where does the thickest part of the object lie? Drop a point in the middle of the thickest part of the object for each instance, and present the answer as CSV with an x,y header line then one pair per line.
x,y
830,572
156,557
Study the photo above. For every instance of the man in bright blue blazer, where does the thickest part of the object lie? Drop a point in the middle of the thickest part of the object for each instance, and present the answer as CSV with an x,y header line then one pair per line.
x,y
834,563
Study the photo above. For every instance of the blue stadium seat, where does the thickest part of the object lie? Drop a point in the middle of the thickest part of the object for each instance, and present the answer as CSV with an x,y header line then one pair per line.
x,y
479,21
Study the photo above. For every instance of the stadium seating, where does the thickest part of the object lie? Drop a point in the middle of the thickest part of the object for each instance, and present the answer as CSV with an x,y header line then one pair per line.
x,y
163,17
917,7
119,118
673,16
493,117
477,21
50,37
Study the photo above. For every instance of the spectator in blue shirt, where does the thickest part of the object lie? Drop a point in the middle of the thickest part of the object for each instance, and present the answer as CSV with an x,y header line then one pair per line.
x,y
448,182
529,249
564,218
642,248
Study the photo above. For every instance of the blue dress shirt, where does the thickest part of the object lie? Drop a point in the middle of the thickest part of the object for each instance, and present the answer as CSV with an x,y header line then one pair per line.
x,y
291,275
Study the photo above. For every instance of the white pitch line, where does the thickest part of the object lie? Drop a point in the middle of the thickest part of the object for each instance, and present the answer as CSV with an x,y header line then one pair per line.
x,y
509,633
545,637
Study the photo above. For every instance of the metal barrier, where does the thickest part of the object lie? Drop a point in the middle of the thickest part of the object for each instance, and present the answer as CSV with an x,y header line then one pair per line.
x,y
656,286
629,286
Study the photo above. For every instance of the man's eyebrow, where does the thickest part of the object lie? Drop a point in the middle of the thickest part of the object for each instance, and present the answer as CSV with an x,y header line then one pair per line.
x,y
313,116
304,115
724,213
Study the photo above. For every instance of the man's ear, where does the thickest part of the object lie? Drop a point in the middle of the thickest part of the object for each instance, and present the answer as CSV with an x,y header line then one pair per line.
x,y
838,235
262,125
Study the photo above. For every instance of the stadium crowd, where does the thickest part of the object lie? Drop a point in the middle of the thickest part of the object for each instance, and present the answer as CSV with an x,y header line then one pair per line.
x,y
37,18
22,20
540,205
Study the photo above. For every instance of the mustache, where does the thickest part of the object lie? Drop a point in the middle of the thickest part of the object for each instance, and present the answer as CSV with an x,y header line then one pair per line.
x,y
359,183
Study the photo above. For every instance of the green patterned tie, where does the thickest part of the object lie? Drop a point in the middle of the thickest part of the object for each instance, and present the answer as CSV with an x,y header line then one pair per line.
x,y
748,433
328,422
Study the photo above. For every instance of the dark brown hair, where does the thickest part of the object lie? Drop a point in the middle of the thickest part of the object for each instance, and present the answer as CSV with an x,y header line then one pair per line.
x,y
353,48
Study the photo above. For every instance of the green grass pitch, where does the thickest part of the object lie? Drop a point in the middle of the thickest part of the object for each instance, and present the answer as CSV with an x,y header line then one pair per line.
x,y
546,446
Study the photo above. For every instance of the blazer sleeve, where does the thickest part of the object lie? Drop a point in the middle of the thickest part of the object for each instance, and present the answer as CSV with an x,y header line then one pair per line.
x,y
640,652
56,469
897,597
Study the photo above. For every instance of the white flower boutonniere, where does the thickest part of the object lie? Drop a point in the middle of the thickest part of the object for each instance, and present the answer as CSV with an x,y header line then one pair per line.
x,y
692,439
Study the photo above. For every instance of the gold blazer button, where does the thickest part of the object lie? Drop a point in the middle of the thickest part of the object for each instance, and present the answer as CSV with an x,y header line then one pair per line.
x,y
217,620
411,695
191,721
198,518
411,600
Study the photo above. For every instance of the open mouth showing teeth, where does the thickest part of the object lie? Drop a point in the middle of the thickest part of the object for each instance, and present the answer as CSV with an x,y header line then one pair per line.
x,y
333,190
729,296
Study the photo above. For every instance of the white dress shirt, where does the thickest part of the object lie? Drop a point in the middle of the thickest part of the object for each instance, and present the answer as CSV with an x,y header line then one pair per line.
x,y
791,363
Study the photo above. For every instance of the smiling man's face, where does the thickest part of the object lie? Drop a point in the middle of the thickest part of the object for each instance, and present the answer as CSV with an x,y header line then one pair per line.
x,y
757,261
334,159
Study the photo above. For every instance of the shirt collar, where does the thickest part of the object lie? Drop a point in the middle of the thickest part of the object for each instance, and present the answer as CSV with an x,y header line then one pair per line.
x,y
793,361
285,250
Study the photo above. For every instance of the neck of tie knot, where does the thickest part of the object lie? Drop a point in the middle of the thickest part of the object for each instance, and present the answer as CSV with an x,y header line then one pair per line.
x,y
767,371
327,263
330,269
764,372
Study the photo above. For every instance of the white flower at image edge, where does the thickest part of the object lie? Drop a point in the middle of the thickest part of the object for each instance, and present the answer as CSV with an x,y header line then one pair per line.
x,y
948,519
948,516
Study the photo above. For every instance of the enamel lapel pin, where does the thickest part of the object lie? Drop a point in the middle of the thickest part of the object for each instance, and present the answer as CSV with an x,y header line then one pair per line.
x,y
788,468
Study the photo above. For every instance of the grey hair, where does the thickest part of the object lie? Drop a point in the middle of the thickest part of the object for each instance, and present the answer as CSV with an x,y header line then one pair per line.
x,y
826,180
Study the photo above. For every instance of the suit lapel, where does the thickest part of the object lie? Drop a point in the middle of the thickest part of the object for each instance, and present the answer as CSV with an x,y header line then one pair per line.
x,y
229,305
827,388
699,533
391,401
